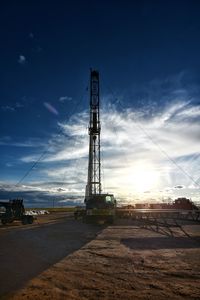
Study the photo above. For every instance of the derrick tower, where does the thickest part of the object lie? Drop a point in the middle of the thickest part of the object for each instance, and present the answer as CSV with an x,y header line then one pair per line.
x,y
93,186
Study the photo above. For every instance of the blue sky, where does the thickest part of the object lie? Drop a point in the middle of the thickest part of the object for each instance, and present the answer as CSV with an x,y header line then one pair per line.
x,y
147,53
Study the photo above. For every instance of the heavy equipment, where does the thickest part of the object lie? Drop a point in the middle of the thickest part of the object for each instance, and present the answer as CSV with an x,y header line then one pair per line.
x,y
99,207
14,210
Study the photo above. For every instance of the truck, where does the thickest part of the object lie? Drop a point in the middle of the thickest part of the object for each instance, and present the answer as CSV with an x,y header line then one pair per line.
x,y
14,210
100,208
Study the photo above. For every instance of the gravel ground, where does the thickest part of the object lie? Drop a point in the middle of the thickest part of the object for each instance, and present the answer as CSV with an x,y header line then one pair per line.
x,y
71,260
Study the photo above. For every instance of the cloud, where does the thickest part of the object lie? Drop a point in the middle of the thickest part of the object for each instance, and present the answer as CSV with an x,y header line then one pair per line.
x,y
14,142
65,99
179,187
34,41
40,194
138,152
51,108
22,59
19,105
149,150
8,108
13,107
31,35
9,165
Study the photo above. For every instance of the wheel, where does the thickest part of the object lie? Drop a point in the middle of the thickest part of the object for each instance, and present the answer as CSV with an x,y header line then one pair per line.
x,y
24,220
30,220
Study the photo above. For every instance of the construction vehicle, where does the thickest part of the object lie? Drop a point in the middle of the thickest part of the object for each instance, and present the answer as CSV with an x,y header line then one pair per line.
x,y
14,210
99,207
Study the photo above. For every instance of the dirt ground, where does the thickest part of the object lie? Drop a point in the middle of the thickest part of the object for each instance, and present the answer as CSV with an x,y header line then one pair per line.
x,y
66,259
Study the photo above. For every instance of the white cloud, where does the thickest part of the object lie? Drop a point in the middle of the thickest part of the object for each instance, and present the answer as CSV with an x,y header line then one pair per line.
x,y
22,59
136,151
30,143
12,107
190,112
41,189
19,105
65,99
8,108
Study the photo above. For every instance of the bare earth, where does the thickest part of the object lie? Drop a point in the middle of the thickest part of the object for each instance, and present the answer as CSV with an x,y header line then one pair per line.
x,y
60,258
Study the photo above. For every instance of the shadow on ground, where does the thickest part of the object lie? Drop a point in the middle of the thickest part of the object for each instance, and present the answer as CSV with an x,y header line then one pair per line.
x,y
155,243
25,253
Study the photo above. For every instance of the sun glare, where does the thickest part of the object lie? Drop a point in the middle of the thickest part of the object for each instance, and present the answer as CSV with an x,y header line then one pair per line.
x,y
143,178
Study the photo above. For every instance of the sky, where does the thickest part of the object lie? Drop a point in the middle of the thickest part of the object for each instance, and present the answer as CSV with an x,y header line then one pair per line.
x,y
147,54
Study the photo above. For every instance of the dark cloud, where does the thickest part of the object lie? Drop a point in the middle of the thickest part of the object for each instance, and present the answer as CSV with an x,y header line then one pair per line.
x,y
42,199
179,187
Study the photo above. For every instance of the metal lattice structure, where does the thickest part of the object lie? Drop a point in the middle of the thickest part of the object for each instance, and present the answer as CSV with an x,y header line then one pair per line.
x,y
93,186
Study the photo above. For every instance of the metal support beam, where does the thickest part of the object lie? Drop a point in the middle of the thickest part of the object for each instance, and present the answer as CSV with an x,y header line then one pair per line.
x,y
93,186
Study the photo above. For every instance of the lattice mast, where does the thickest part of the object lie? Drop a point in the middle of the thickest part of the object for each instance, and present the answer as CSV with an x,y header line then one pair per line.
x,y
93,186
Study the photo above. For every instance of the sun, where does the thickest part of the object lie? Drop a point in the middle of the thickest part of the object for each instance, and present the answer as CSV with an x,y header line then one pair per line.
x,y
143,178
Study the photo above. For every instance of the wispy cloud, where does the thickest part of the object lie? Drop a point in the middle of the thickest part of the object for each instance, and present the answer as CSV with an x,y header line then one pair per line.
x,y
13,107
149,151
65,99
22,59
41,194
51,108
7,108
134,147
14,142
19,105
31,35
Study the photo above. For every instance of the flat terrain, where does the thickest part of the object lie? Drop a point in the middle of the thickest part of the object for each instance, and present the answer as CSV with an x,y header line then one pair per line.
x,y
60,258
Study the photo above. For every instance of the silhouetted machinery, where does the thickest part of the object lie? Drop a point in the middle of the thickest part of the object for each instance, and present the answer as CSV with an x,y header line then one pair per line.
x,y
99,206
14,210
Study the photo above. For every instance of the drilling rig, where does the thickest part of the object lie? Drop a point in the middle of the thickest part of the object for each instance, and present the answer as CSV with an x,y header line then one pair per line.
x,y
100,207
